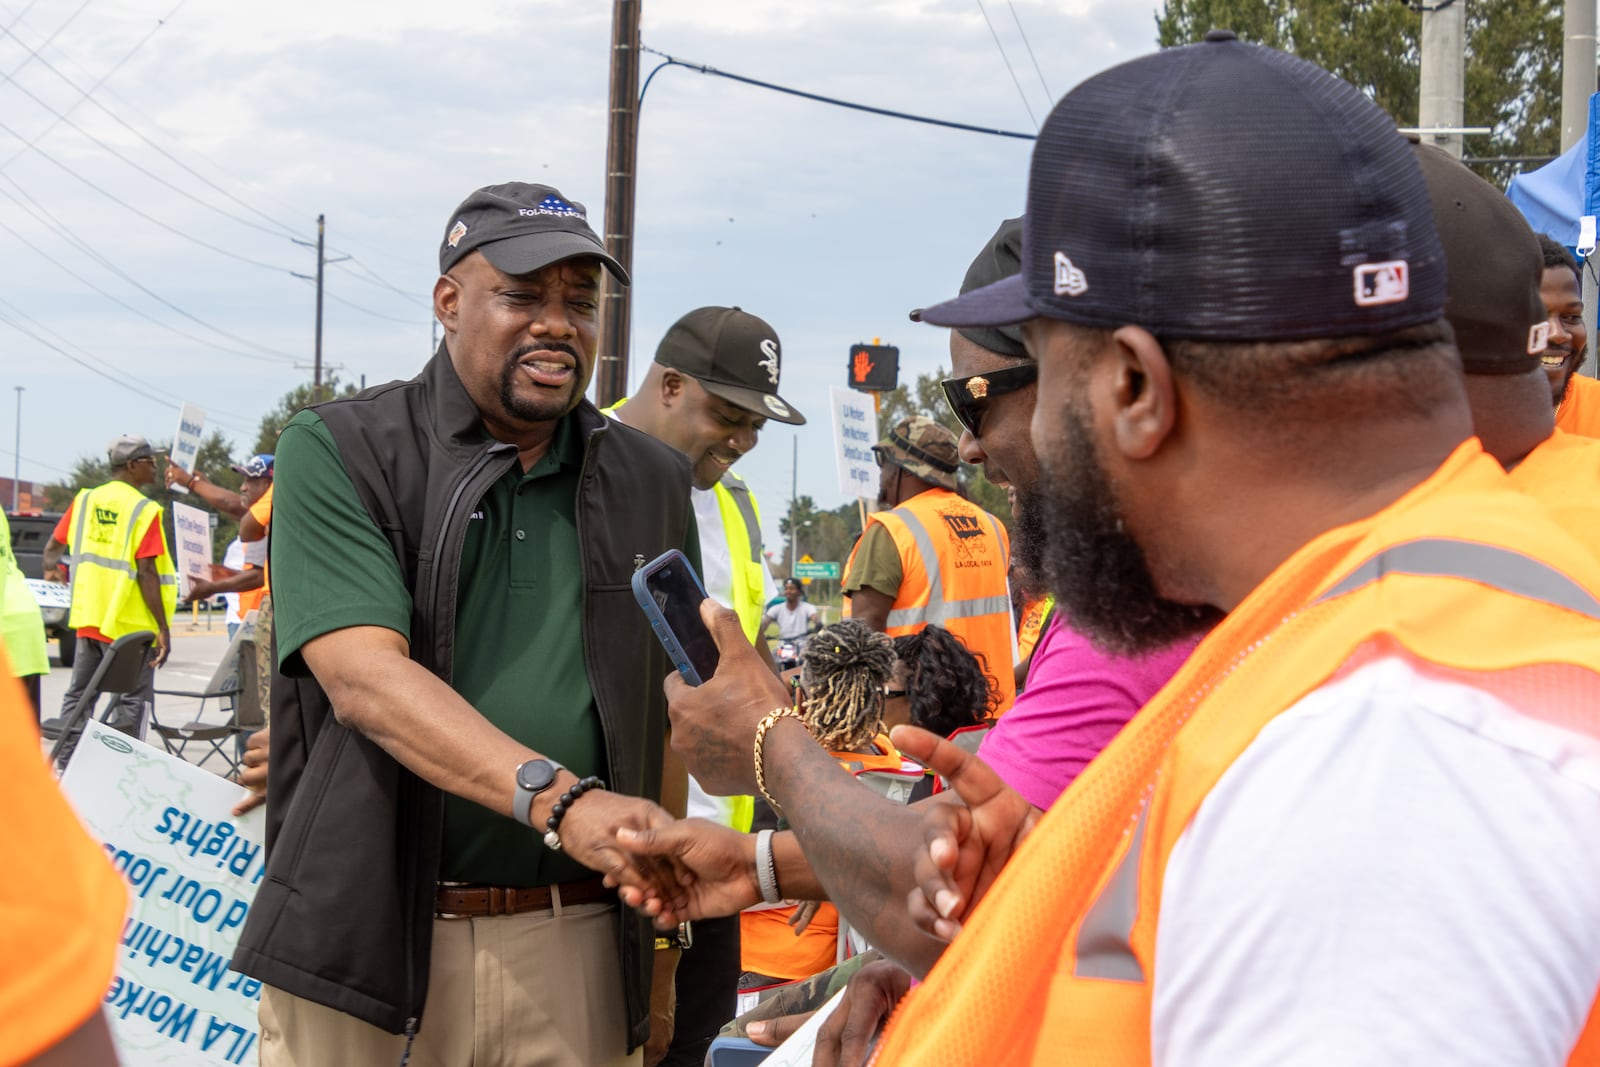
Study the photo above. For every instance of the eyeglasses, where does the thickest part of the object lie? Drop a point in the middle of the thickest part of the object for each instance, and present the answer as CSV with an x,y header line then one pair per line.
x,y
969,397
890,694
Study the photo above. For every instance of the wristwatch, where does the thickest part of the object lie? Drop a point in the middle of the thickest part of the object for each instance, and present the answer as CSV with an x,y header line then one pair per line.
x,y
533,778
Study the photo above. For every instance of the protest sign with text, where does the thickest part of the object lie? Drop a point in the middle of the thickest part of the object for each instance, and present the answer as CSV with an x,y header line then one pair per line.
x,y
191,528
855,431
192,869
186,442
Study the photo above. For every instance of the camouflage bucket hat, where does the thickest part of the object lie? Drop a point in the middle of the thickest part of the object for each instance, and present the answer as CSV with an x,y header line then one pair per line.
x,y
923,448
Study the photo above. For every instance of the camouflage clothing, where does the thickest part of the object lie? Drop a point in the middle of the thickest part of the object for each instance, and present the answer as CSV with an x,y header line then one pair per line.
x,y
924,448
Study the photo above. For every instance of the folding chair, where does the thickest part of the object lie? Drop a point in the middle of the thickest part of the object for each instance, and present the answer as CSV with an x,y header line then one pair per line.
x,y
233,686
119,672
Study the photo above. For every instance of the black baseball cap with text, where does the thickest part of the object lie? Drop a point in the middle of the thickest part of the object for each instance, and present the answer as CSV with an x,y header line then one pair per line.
x,y
521,228
1220,191
733,355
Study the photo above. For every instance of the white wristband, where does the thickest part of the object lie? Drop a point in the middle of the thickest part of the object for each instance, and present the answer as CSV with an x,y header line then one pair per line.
x,y
766,869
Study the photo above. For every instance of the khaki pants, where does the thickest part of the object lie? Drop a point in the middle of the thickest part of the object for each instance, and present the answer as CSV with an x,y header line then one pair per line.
x,y
542,989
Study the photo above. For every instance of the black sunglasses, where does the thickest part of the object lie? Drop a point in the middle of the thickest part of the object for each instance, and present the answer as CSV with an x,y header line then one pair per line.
x,y
969,396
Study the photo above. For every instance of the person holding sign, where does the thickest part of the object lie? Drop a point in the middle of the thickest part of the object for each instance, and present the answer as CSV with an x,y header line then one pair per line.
x,y
123,579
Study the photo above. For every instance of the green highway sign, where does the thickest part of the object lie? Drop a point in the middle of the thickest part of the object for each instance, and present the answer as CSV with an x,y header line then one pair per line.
x,y
807,569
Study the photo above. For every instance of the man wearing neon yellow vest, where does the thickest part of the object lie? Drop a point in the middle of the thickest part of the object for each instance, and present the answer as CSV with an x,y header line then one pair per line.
x,y
711,389
123,579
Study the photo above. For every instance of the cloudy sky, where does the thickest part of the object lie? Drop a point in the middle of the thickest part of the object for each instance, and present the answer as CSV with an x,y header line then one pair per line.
x,y
157,157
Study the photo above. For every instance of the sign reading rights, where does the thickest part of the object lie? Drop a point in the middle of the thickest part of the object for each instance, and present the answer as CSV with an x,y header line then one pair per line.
x,y
192,528
855,431
186,442
192,870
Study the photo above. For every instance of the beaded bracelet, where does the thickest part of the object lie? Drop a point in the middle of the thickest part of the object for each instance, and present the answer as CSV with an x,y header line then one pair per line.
x,y
552,840
787,711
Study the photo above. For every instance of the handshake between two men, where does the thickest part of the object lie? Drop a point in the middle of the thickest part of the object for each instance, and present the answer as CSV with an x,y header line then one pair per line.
x,y
906,877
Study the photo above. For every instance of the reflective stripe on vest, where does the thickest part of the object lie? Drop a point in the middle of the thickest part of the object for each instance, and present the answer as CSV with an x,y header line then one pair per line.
x,y
747,511
105,583
937,610
1490,565
1104,944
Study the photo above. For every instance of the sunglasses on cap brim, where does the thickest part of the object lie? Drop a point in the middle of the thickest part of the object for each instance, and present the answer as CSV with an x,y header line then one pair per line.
x,y
969,397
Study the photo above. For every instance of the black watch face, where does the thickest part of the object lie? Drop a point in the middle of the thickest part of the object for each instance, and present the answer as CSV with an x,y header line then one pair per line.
x,y
536,775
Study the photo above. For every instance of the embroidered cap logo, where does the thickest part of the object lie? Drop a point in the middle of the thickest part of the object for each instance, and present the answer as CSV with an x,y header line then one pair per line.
x,y
1069,279
1382,283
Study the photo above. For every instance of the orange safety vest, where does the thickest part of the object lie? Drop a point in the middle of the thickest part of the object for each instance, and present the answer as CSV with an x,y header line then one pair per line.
x,y
954,557
1457,573
1563,474
767,943
1579,412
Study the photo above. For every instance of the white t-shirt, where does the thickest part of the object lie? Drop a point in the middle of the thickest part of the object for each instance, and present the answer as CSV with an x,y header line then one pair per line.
x,y
792,625
233,559
1400,869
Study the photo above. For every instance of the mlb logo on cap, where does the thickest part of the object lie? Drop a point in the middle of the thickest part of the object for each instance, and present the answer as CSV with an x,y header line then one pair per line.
x,y
1382,283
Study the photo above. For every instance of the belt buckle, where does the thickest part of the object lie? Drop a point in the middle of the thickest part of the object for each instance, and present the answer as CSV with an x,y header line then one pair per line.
x,y
450,914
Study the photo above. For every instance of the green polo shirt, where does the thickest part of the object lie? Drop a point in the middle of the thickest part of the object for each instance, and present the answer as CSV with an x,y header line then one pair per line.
x,y
518,648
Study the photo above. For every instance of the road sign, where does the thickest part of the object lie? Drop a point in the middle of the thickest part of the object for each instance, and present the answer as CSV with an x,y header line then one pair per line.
x,y
828,569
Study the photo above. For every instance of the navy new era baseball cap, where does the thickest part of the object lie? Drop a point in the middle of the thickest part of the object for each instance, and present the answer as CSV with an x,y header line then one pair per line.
x,y
1220,191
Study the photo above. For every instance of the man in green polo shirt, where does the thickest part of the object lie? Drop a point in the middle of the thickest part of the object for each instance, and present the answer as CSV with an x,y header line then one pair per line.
x,y
468,704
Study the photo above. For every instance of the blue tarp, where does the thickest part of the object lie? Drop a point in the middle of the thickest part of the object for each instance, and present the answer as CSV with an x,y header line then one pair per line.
x,y
1554,197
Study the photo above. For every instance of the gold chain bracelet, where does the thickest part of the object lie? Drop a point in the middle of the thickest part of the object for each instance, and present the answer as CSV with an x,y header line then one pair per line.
x,y
786,711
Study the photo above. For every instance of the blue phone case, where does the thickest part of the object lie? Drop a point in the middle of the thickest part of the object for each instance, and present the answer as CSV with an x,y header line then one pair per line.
x,y
658,621
736,1052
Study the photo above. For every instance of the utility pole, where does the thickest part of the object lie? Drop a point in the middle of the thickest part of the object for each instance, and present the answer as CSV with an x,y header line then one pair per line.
x,y
322,261
794,501
16,455
1444,69
1577,69
622,153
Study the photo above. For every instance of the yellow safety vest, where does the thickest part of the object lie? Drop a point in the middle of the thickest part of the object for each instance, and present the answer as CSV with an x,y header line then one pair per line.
x,y
741,521
741,524
108,525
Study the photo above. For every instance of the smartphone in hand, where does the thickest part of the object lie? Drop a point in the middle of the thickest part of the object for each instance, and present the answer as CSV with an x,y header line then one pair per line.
x,y
670,593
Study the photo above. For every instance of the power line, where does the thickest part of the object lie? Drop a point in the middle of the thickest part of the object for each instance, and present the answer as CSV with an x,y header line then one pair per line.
x,y
672,61
87,94
62,119
142,213
336,298
371,277
88,250
1007,60
36,462
1048,95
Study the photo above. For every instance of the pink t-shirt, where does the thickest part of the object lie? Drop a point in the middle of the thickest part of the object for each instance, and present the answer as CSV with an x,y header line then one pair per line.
x,y
1076,700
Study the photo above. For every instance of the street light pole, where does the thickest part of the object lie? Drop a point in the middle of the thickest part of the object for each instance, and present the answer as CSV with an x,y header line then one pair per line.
x,y
16,455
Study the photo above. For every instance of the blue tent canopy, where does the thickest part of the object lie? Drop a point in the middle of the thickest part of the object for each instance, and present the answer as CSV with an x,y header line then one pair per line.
x,y
1555,197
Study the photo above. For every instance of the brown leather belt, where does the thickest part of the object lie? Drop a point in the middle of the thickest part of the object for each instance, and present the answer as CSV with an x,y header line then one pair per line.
x,y
470,901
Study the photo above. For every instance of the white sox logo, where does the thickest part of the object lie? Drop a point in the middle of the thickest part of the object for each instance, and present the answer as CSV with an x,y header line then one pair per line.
x,y
769,348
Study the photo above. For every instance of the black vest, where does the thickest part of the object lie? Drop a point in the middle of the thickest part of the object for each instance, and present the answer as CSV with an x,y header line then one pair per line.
x,y
344,912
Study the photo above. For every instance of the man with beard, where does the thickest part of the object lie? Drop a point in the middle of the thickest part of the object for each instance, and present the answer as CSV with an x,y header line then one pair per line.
x,y
1077,696
1577,397
930,556
1249,403
468,707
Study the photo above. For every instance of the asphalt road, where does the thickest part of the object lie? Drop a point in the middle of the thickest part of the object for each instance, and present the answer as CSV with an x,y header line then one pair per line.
x,y
197,647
